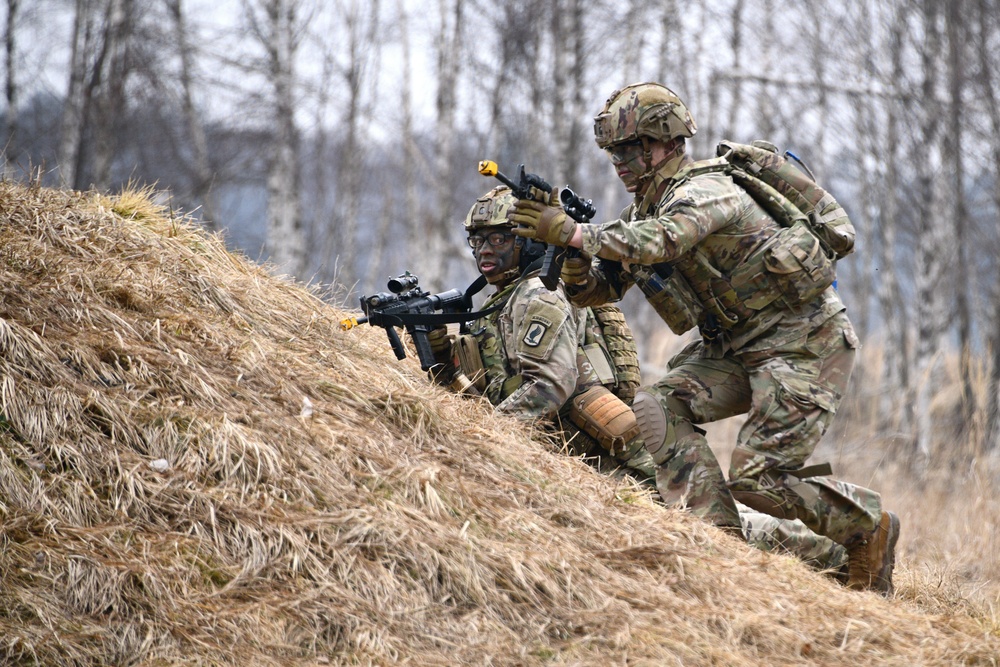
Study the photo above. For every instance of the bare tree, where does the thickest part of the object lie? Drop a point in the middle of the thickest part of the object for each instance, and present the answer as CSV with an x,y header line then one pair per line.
x,y
11,88
411,201
736,82
955,161
202,172
987,81
933,232
362,27
870,144
278,31
437,224
73,106
107,90
891,303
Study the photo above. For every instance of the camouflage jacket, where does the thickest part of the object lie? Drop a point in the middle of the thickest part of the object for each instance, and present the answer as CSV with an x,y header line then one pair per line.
x,y
532,350
707,234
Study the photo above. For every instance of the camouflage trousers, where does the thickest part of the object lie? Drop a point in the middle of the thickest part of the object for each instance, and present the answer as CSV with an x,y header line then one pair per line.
x,y
790,395
762,531
769,533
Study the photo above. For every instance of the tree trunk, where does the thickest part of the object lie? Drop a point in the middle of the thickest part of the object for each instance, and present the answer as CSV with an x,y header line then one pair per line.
x,y
895,414
438,226
411,201
284,234
934,232
956,166
12,91
202,172
73,116
736,82
109,87
989,28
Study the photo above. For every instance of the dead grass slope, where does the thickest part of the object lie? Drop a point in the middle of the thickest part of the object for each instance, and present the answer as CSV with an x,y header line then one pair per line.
x,y
197,467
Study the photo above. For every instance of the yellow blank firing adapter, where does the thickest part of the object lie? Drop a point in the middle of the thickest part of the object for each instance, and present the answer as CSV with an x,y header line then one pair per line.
x,y
348,323
488,168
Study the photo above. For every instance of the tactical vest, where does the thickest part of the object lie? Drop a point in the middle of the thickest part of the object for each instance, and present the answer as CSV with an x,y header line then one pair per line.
x,y
794,266
605,335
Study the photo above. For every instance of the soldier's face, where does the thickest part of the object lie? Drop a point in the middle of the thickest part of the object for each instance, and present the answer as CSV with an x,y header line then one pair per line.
x,y
629,163
495,254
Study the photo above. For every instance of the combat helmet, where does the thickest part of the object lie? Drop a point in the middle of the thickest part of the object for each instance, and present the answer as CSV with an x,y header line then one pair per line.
x,y
642,110
490,210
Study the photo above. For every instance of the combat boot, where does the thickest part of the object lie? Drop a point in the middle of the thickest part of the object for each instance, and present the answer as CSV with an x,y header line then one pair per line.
x,y
871,558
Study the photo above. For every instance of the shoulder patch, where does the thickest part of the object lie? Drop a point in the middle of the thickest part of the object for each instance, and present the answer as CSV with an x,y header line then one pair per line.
x,y
536,332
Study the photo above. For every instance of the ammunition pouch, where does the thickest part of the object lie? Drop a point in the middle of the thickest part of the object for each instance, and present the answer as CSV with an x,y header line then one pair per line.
x,y
799,266
604,417
672,299
470,361
792,267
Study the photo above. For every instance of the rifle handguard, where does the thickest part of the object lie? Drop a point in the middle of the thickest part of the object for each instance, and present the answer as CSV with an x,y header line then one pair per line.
x,y
605,417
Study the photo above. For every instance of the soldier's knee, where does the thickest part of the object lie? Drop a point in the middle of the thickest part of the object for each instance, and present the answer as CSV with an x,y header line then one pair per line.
x,y
660,424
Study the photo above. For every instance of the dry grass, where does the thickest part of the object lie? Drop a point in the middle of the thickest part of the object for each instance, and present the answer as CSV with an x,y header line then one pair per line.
x,y
198,467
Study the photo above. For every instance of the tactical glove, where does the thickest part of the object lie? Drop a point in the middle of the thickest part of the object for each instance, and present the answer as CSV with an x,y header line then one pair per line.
x,y
544,222
576,269
440,344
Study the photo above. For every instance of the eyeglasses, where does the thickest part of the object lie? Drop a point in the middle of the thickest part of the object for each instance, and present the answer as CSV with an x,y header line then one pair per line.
x,y
495,239
625,151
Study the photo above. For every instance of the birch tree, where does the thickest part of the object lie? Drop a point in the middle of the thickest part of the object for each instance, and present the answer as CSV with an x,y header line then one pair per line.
x,y
11,89
895,413
953,158
107,90
200,169
933,231
438,224
275,24
361,28
987,39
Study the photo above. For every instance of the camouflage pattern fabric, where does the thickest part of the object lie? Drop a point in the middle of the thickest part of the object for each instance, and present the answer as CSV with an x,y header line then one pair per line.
x,y
785,367
532,350
769,533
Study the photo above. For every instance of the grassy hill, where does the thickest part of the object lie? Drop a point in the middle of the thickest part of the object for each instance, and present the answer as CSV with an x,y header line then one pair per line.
x,y
197,467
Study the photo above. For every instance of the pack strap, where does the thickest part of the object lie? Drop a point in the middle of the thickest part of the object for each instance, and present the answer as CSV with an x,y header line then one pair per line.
x,y
815,470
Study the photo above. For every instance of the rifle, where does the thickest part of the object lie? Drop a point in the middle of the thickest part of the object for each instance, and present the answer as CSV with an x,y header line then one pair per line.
x,y
581,210
407,305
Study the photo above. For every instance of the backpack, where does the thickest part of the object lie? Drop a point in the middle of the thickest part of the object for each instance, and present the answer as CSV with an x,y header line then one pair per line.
x,y
760,170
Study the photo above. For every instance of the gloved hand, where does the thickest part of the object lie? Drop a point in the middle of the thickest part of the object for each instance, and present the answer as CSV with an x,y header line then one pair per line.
x,y
576,269
440,344
545,222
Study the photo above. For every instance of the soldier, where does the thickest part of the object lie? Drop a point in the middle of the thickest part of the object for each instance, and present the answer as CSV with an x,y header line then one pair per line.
x,y
539,357
685,238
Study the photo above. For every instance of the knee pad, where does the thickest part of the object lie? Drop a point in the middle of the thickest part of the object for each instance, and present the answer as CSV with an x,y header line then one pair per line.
x,y
650,419
659,428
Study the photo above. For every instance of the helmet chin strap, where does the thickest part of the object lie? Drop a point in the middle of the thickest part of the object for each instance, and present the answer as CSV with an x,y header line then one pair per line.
x,y
674,154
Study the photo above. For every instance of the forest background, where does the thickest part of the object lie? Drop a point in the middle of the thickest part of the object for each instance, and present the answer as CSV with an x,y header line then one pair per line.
x,y
338,140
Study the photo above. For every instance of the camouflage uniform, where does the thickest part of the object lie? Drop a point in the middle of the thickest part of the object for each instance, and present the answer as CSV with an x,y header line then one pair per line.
x,y
692,242
533,354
